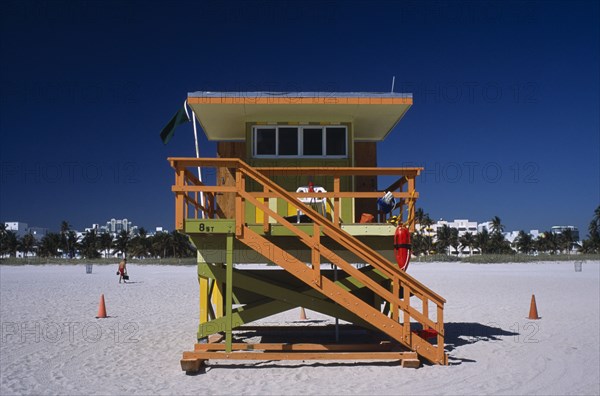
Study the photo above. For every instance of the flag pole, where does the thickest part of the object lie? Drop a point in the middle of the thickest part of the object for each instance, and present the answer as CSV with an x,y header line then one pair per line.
x,y
197,150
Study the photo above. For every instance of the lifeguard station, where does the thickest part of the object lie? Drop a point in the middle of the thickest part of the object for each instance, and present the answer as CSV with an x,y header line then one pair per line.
x,y
247,209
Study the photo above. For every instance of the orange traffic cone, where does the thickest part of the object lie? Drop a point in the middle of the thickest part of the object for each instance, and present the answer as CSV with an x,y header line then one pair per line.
x,y
302,313
101,308
533,313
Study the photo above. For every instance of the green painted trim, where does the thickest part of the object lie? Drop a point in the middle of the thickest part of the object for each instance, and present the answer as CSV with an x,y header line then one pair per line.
x,y
280,230
250,313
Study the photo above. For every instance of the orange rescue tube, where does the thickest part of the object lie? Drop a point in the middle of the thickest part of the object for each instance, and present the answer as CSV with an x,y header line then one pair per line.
x,y
402,247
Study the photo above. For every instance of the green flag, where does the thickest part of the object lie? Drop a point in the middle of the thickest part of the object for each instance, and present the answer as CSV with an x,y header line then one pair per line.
x,y
179,118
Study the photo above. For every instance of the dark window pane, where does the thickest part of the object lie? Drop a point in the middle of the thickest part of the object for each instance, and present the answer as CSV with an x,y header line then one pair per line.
x,y
313,141
288,141
336,141
265,141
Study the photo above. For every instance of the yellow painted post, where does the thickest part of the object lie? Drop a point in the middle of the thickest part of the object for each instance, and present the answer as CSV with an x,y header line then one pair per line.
x,y
204,299
217,299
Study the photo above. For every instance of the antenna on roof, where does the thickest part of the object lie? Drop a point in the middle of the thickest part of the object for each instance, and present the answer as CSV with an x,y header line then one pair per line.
x,y
393,81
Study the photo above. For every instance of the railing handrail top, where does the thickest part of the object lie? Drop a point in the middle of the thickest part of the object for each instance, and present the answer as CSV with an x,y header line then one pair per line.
x,y
339,170
290,170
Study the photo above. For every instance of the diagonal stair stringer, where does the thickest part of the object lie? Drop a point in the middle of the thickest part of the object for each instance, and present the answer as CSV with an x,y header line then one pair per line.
x,y
347,300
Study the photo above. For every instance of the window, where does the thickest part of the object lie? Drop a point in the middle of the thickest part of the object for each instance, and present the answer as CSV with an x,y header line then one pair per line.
x,y
305,141
265,141
336,141
288,141
312,141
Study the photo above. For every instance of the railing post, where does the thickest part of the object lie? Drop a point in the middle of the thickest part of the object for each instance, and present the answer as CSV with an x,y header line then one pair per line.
x,y
425,311
411,203
336,201
179,199
265,214
406,315
440,337
240,185
316,254
393,306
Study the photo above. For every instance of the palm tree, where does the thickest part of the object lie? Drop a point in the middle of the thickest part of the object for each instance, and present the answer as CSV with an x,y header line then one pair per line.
x,y
26,244
9,243
444,238
416,240
64,231
454,239
467,240
524,242
498,244
427,222
547,242
594,232
105,243
419,216
121,243
482,241
72,243
140,245
181,245
89,245
496,227
566,240
50,244
160,244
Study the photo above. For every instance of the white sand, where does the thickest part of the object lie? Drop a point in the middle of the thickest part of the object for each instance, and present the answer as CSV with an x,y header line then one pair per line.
x,y
493,348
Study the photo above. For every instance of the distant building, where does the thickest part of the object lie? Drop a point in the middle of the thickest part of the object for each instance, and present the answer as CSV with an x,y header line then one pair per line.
x,y
37,232
19,228
557,230
463,226
484,226
115,226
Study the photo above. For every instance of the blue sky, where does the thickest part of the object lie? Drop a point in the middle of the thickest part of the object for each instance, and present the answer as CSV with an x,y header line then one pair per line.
x,y
505,118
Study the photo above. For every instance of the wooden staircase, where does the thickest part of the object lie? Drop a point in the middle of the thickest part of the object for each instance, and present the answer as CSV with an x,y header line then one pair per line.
x,y
406,302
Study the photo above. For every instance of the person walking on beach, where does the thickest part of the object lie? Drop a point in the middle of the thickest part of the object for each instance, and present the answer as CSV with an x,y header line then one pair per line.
x,y
122,270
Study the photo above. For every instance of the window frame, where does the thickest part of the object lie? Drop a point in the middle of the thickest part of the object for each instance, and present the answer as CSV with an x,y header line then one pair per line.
x,y
300,136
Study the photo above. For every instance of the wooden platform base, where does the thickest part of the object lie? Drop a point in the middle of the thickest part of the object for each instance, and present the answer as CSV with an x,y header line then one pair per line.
x,y
193,361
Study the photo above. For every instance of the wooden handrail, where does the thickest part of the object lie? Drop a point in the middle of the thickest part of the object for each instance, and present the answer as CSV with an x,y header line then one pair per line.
x,y
332,230
351,243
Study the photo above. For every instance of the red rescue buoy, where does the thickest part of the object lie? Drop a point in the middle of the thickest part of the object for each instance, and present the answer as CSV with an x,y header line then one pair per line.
x,y
402,247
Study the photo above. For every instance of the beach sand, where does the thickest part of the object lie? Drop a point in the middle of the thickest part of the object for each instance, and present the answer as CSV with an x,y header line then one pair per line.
x,y
53,344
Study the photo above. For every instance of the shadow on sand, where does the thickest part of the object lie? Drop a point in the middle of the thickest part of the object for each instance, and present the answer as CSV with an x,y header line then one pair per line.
x,y
466,333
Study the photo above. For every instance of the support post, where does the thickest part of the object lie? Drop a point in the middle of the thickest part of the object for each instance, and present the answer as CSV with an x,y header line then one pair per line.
x,y
229,293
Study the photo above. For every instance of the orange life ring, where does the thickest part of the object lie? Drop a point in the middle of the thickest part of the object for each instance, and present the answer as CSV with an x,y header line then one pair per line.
x,y
402,247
